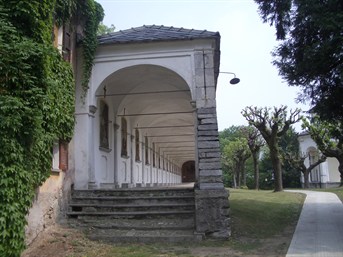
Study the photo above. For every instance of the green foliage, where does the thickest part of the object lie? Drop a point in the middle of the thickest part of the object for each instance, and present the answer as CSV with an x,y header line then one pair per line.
x,y
289,144
91,13
328,137
273,125
36,108
64,11
310,55
31,18
103,29
235,154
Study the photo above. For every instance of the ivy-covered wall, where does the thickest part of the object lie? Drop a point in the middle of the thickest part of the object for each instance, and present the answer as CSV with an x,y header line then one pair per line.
x,y
36,101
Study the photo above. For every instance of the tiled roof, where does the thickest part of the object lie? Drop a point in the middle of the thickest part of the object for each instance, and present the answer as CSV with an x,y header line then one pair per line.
x,y
154,33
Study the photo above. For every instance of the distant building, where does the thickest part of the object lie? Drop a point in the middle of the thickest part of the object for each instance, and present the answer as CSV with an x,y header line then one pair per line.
x,y
325,174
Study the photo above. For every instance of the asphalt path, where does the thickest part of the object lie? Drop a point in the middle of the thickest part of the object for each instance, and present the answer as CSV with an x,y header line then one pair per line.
x,y
319,232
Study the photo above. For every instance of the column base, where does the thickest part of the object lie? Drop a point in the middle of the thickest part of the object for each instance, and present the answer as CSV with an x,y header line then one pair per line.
x,y
212,213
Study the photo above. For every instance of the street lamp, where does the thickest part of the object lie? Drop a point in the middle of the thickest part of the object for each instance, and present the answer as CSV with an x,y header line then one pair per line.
x,y
234,80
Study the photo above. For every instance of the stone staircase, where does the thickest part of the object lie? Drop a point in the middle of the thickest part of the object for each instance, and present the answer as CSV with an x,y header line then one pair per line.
x,y
135,214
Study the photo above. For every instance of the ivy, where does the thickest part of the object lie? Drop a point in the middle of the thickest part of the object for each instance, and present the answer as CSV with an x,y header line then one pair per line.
x,y
90,14
94,13
36,102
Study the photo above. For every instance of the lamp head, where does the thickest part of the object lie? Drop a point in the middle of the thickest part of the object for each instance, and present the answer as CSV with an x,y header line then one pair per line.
x,y
234,81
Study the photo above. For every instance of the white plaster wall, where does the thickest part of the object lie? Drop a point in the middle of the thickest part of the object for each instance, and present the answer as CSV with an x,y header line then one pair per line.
x,y
334,174
329,168
45,207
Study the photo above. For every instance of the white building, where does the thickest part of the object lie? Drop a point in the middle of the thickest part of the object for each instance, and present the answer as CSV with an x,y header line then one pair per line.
x,y
148,118
325,174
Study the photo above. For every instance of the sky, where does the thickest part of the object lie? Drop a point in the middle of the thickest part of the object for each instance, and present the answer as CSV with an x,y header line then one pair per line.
x,y
246,46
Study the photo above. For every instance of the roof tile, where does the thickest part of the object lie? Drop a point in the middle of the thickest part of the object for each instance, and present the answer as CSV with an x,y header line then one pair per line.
x,y
148,33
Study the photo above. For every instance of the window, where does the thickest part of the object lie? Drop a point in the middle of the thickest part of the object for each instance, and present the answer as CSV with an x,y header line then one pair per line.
x,y
146,150
66,47
104,128
56,156
153,155
138,157
60,156
123,137
315,173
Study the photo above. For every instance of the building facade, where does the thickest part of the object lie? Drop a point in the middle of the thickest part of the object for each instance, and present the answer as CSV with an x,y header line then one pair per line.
x,y
325,174
147,119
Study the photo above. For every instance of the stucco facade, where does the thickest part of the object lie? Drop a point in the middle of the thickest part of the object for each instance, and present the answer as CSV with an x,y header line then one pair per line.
x,y
150,108
325,174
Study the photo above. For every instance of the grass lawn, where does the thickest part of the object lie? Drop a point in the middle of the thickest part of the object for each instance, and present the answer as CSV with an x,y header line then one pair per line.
x,y
262,224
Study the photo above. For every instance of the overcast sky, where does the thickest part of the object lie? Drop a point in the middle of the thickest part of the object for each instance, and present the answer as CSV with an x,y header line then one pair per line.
x,y
246,44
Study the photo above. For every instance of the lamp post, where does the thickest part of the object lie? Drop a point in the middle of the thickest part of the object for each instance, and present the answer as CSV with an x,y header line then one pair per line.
x,y
233,81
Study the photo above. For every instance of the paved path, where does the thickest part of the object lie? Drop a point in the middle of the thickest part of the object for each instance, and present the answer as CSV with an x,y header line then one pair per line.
x,y
319,231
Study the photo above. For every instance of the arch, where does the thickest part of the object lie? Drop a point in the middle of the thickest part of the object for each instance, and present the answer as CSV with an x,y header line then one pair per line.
x,y
142,72
188,171
138,91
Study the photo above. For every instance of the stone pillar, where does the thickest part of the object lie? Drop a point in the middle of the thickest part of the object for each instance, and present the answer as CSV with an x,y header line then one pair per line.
x,y
132,168
91,166
211,198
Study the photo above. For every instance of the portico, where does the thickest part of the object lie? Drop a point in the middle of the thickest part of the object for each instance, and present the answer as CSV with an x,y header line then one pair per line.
x,y
150,109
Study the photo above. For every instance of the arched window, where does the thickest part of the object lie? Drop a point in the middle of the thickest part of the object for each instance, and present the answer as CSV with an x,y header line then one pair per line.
x,y
104,128
123,137
137,148
146,150
315,173
153,155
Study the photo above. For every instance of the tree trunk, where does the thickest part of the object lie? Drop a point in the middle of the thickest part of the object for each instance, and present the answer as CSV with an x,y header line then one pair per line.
x,y
306,179
244,175
256,172
238,176
340,169
275,157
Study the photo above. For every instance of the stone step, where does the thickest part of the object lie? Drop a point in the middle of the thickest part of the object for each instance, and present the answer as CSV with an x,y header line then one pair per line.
x,y
134,192
132,199
129,207
129,214
135,214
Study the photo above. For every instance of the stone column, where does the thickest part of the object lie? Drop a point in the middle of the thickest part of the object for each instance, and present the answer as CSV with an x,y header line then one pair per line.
x,y
211,198
115,154
91,166
132,162
143,162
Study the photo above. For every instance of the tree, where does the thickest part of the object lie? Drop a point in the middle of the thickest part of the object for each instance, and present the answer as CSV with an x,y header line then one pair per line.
x,y
298,161
227,137
272,124
328,137
310,55
235,154
103,29
255,142
289,145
